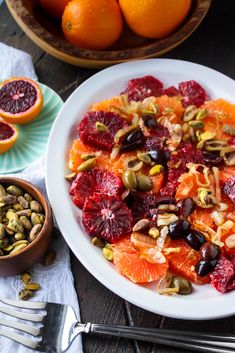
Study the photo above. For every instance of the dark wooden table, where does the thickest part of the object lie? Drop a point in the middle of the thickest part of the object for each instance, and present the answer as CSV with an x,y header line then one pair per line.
x,y
213,45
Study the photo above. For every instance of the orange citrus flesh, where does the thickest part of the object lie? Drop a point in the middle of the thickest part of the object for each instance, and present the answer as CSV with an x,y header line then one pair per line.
x,y
129,263
171,107
29,114
7,142
155,18
92,24
183,262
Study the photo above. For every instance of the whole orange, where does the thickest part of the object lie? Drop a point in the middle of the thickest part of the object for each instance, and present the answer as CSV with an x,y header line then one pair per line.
x,y
54,7
154,18
92,24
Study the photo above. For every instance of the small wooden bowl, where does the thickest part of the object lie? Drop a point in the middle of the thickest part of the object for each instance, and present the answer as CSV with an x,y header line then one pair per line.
x,y
47,34
24,259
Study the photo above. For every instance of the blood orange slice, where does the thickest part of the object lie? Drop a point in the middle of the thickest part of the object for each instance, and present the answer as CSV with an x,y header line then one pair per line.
x,y
21,100
8,136
132,265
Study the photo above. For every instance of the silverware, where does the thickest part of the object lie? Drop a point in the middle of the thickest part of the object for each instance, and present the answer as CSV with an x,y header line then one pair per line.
x,y
54,327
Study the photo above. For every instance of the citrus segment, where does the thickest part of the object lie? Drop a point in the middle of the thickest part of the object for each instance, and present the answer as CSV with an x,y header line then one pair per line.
x,y
107,104
21,100
92,24
8,136
129,262
170,106
156,18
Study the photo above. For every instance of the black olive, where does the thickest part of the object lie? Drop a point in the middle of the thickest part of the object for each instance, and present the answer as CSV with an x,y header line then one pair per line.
x,y
210,251
195,239
159,156
179,229
150,121
203,267
186,207
129,196
213,159
133,140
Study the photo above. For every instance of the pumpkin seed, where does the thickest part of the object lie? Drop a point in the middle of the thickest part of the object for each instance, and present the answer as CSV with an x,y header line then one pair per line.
x,y
144,183
87,165
129,179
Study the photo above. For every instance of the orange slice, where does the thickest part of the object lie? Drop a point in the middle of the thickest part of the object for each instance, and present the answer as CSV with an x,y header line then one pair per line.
x,y
21,100
8,136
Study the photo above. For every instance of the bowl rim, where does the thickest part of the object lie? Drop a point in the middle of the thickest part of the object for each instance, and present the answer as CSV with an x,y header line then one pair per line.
x,y
47,209
92,58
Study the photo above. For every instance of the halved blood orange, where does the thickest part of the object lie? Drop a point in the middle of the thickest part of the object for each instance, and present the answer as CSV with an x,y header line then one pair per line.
x,y
8,136
183,262
131,264
21,100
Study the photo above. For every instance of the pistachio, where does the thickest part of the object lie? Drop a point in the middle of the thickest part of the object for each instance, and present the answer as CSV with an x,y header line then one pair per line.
x,y
229,129
141,225
70,176
15,225
20,242
2,231
202,113
154,232
129,179
1,253
207,135
14,190
166,218
203,195
23,202
26,213
157,169
26,277
35,231
108,254
28,197
49,258
18,248
8,248
133,163
26,223
25,294
184,286
19,236
4,243
32,286
87,156
8,230
87,165
123,132
7,200
190,113
215,145
17,207
37,218
196,124
96,241
2,191
144,183
35,206
11,214
101,127
144,157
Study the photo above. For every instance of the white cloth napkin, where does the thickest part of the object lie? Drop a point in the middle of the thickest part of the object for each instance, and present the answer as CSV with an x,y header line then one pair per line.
x,y
56,280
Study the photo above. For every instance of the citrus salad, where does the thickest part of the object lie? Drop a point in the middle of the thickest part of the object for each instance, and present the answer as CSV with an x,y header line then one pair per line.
x,y
153,171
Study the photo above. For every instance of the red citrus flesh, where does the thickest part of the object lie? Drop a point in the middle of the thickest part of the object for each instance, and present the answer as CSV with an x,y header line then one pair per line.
x,y
8,136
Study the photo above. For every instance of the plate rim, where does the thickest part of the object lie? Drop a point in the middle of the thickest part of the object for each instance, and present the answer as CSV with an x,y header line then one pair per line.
x,y
96,59
216,309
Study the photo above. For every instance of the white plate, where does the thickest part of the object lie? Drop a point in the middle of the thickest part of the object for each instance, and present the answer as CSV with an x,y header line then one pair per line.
x,y
205,302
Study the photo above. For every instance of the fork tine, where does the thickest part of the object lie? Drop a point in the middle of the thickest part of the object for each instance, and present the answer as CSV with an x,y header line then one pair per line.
x,y
22,304
22,315
32,330
19,339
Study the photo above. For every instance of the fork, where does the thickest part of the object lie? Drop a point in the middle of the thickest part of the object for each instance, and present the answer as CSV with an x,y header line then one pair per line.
x,y
51,328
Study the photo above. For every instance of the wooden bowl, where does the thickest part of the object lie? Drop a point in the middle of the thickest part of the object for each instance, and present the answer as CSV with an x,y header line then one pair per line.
x,y
24,259
47,34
